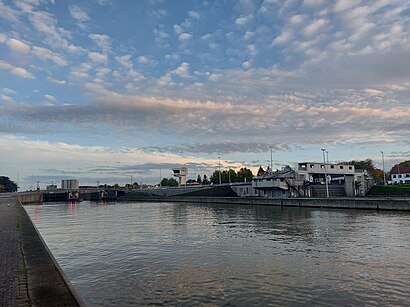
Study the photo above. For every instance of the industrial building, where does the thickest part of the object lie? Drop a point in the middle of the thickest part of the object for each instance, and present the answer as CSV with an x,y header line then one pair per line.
x,y
69,184
311,179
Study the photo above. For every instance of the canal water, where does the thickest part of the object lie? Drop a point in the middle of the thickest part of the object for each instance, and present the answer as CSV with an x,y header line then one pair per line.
x,y
132,254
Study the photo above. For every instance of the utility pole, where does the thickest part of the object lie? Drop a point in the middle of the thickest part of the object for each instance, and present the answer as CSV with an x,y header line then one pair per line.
x,y
324,162
384,173
271,159
219,168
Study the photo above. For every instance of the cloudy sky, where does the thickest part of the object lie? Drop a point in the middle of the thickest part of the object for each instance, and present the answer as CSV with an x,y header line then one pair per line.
x,y
105,90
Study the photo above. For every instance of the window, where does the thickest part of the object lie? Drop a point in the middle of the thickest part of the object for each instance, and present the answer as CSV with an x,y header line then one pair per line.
x,y
394,176
407,175
350,167
341,166
332,166
322,166
400,176
312,166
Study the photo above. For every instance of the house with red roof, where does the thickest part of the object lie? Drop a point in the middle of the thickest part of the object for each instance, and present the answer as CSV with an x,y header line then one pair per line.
x,y
400,174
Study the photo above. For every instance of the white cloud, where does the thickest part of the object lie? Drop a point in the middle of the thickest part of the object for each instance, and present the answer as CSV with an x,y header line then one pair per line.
x,y
314,2
8,13
343,5
102,40
194,15
44,53
97,57
314,27
22,72
178,29
142,59
184,36
243,20
17,45
125,61
50,97
8,91
17,71
246,65
56,81
284,37
206,37
182,71
78,14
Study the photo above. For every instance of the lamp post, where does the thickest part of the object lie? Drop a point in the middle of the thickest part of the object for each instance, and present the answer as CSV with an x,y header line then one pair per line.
x,y
324,162
219,170
270,158
384,173
327,157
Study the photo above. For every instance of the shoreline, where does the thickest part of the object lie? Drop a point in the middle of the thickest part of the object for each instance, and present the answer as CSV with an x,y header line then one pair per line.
x,y
385,203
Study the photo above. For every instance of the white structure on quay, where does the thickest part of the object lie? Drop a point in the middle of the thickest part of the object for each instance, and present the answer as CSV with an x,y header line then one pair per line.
x,y
69,184
181,174
308,179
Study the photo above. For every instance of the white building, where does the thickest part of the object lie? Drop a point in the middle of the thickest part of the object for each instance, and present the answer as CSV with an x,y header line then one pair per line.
x,y
181,174
69,184
400,174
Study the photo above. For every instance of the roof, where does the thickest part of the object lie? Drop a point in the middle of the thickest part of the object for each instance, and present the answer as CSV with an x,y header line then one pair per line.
x,y
400,170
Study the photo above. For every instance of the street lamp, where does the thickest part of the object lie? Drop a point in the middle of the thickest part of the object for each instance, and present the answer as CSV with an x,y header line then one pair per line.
x,y
384,173
324,162
270,158
219,168
327,157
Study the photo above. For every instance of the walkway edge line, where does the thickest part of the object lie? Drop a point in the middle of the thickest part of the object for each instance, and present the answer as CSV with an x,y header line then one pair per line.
x,y
70,286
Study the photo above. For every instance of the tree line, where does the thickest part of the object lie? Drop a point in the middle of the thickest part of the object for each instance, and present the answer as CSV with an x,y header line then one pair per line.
x,y
7,185
227,176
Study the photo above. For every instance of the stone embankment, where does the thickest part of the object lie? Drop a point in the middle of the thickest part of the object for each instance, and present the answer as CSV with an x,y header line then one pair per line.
x,y
29,274
359,203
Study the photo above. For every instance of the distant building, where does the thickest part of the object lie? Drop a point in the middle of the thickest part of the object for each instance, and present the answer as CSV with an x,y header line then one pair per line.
x,y
363,182
400,174
181,174
51,187
308,179
69,184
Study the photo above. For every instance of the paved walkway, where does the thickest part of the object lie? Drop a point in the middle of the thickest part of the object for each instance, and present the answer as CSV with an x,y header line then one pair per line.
x,y
28,275
13,283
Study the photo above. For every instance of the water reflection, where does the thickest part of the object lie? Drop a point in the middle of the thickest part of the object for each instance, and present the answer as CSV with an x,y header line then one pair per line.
x,y
165,253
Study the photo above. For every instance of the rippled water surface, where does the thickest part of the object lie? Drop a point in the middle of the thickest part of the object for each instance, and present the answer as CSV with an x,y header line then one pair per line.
x,y
168,253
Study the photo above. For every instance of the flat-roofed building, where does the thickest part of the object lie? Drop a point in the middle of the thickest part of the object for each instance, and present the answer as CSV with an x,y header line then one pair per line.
x,y
69,184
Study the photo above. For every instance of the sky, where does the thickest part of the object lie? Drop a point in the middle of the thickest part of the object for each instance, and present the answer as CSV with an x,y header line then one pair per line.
x,y
112,91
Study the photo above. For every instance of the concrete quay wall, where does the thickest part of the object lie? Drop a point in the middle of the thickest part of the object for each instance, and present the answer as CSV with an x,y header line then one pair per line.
x,y
394,204
30,197
30,274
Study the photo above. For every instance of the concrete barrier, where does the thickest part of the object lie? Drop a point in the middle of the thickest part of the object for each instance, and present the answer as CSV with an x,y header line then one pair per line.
x,y
394,204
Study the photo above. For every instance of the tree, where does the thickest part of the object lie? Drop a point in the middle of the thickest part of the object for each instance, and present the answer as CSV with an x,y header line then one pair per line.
x,y
169,182
404,163
244,174
199,180
6,185
368,166
172,182
215,177
205,180
164,182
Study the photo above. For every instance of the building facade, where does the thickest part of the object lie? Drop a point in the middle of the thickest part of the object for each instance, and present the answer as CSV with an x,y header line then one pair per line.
x,y
69,184
400,174
308,179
